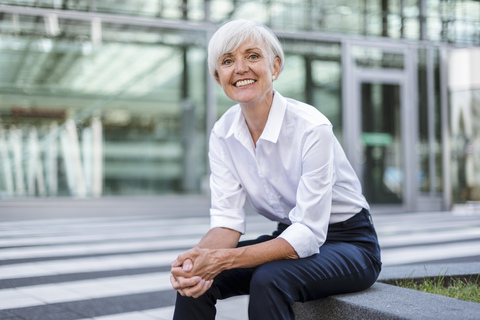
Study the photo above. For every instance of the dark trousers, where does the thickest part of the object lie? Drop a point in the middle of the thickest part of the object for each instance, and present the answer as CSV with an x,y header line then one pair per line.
x,y
348,261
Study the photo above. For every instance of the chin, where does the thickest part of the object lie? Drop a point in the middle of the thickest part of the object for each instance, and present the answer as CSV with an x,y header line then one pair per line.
x,y
244,98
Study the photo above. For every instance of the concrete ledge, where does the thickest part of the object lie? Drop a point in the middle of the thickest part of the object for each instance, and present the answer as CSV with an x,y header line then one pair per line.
x,y
383,301
389,274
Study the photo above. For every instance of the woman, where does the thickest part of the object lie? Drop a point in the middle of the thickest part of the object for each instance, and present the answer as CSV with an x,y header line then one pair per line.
x,y
282,155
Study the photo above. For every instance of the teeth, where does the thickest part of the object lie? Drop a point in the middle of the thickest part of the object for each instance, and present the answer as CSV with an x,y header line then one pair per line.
x,y
244,83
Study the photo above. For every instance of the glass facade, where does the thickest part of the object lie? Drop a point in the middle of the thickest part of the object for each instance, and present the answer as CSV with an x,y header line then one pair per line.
x,y
464,121
434,20
430,130
146,85
382,142
113,97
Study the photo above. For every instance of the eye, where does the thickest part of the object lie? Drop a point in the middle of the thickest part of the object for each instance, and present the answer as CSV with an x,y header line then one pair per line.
x,y
226,62
253,56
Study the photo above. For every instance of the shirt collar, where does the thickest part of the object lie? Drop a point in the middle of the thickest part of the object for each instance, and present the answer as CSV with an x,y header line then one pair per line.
x,y
237,123
275,118
274,121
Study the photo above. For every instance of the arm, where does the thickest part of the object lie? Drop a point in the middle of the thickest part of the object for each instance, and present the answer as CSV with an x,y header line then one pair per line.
x,y
207,262
217,238
255,255
311,215
227,223
194,270
189,283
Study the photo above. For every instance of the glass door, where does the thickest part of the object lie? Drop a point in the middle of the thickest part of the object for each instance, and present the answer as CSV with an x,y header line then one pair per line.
x,y
381,142
380,122
385,130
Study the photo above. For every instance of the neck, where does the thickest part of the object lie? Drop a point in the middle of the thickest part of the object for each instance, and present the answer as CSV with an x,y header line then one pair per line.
x,y
256,116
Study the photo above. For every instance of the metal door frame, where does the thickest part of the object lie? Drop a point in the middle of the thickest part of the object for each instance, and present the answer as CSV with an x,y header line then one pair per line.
x,y
406,78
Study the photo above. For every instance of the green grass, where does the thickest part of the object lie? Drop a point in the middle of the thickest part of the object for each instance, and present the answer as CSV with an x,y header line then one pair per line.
x,y
459,288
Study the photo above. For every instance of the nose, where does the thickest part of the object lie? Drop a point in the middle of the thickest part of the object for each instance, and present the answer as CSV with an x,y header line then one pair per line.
x,y
241,66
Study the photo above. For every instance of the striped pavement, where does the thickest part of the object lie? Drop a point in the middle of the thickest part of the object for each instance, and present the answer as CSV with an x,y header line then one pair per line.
x,y
94,261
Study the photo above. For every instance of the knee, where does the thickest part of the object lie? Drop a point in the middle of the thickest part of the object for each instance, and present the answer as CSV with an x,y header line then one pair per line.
x,y
268,280
262,278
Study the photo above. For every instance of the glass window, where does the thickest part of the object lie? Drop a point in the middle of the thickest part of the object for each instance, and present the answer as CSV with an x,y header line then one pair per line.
x,y
454,21
314,77
465,141
423,136
327,77
430,130
291,82
377,58
438,149
383,167
129,96
464,117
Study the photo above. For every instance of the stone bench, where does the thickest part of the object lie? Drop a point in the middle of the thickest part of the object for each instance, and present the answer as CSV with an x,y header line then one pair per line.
x,y
384,301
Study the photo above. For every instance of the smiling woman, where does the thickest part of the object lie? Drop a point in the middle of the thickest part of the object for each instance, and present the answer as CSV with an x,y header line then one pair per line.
x,y
231,36
246,76
282,155
245,58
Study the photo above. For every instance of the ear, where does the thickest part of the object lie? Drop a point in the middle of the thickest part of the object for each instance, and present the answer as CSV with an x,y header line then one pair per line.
x,y
277,64
216,77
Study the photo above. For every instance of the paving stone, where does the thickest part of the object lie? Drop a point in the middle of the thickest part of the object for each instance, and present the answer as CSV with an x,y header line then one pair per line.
x,y
5,315
32,312
121,304
64,315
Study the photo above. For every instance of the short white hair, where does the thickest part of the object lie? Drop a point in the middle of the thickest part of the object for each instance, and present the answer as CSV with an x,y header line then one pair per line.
x,y
235,33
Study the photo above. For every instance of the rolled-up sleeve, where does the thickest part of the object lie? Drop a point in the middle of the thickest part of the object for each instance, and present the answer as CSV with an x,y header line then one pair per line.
x,y
227,194
311,215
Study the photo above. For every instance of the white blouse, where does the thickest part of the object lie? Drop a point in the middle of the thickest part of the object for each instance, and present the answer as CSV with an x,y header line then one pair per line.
x,y
297,174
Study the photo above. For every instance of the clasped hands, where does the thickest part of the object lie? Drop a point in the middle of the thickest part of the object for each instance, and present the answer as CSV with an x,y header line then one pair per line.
x,y
193,271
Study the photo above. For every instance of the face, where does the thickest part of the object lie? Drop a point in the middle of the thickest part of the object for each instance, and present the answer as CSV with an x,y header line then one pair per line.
x,y
246,74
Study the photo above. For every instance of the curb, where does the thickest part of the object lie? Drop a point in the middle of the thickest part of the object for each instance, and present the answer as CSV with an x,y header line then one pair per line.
x,y
384,302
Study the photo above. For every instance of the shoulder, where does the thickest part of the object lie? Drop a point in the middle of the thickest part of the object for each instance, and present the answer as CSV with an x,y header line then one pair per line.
x,y
223,125
305,113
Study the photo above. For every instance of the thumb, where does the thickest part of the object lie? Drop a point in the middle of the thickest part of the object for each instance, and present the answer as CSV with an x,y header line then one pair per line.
x,y
178,262
187,265
181,259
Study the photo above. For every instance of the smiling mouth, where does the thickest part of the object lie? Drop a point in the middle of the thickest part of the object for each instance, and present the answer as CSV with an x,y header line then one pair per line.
x,y
244,83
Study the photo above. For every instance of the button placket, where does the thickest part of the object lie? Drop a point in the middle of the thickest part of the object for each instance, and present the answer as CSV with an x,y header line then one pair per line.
x,y
271,195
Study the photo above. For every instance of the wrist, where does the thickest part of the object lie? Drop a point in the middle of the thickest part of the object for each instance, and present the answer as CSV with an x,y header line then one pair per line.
x,y
226,258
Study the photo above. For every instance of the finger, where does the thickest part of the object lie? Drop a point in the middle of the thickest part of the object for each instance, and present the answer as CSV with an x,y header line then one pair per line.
x,y
175,264
174,282
199,289
195,290
178,272
187,265
188,282
203,288
181,258
178,262
182,283
183,270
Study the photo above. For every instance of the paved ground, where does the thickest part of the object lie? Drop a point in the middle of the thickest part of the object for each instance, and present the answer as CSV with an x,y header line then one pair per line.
x,y
108,259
